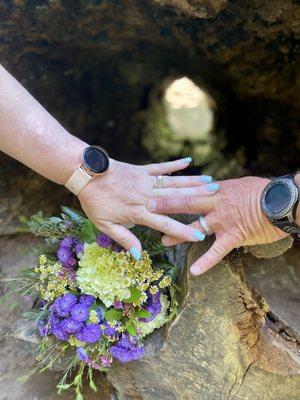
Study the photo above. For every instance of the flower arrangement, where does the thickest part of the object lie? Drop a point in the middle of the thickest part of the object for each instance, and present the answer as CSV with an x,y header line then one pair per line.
x,y
94,302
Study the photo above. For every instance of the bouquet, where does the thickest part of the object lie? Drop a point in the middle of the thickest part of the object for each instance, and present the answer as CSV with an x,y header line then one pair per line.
x,y
93,303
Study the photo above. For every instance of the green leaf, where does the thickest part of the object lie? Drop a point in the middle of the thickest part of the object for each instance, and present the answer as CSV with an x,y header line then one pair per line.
x,y
113,315
88,232
135,295
142,313
93,386
131,329
79,396
64,387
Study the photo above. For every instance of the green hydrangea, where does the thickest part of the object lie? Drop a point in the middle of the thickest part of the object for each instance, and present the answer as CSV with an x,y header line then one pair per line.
x,y
98,274
161,319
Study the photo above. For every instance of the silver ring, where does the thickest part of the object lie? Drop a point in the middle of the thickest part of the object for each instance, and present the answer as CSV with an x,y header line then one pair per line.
x,y
159,182
204,225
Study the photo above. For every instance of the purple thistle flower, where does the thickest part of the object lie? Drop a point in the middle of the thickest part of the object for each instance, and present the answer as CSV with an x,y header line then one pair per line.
x,y
90,333
80,313
64,304
44,330
70,326
59,333
153,305
104,240
86,300
54,319
127,349
67,242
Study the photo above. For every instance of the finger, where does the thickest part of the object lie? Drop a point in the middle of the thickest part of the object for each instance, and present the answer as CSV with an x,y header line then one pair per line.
x,y
205,190
220,248
168,167
182,204
185,181
171,227
125,238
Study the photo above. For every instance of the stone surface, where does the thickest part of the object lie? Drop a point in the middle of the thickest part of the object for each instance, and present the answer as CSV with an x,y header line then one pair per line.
x,y
220,346
270,250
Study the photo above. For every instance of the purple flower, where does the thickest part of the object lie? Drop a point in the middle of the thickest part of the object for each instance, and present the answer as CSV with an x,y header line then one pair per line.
x,y
59,332
81,354
64,304
79,248
153,305
54,319
99,314
86,300
65,257
105,361
66,242
90,333
104,240
110,330
68,325
80,313
117,248
118,304
44,330
127,349
68,224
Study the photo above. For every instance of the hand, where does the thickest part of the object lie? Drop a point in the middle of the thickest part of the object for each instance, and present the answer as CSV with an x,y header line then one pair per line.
x,y
118,199
233,214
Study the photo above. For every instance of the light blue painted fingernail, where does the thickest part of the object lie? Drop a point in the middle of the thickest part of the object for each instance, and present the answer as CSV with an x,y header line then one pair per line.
x,y
136,254
205,179
187,160
213,187
199,235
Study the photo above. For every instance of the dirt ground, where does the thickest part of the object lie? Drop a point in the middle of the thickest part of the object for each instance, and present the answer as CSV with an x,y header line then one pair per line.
x,y
18,379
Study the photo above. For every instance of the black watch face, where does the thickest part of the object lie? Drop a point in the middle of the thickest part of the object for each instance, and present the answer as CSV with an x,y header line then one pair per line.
x,y
278,198
95,159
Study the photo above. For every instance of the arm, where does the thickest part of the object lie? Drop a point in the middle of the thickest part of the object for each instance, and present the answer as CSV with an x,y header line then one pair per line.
x,y
118,198
234,214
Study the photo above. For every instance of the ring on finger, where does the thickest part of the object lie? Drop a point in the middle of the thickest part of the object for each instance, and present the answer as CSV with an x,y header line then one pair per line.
x,y
159,182
204,225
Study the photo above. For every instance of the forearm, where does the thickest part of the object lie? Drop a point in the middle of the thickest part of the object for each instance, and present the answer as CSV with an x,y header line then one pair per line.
x,y
31,135
297,180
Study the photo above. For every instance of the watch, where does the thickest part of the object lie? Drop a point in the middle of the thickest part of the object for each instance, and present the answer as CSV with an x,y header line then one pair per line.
x,y
94,161
279,202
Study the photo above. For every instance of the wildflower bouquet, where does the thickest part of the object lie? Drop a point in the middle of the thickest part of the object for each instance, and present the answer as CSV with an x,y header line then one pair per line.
x,y
94,302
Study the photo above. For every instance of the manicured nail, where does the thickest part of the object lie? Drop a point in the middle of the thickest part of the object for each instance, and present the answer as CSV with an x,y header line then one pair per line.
x,y
213,187
151,205
199,235
205,179
187,160
136,254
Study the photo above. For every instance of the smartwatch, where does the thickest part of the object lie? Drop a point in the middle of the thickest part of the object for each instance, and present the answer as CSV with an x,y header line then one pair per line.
x,y
279,202
94,161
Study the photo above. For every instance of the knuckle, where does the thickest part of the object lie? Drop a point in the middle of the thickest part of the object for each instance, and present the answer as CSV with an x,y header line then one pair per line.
x,y
187,203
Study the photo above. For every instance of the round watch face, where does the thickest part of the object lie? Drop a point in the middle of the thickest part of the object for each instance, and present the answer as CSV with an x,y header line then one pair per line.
x,y
279,197
95,159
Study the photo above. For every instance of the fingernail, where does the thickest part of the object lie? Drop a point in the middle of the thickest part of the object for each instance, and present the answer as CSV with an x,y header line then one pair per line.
x,y
151,205
199,235
194,270
187,160
213,187
205,179
136,254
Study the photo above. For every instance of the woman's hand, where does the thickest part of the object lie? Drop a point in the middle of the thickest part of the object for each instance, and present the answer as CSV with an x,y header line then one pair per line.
x,y
118,199
233,214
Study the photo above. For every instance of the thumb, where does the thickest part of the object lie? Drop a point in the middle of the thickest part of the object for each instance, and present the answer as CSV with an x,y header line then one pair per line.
x,y
220,248
125,238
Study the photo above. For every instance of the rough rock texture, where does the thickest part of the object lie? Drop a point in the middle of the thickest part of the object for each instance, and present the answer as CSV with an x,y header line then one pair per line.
x,y
222,345
270,250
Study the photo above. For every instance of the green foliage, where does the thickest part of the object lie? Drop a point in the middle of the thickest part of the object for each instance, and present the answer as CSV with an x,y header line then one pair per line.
x,y
135,295
142,313
88,232
113,315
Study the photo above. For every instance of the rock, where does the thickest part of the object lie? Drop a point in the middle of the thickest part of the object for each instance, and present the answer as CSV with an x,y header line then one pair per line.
x,y
271,250
196,8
